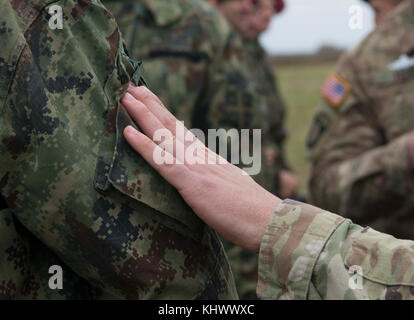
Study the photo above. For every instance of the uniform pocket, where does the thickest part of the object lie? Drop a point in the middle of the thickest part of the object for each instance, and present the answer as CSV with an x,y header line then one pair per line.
x,y
121,167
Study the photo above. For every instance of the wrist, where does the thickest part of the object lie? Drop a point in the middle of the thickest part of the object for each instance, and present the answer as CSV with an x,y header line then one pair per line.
x,y
268,211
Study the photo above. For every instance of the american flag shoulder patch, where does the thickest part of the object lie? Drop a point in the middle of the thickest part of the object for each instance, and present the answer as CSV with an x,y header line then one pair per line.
x,y
335,90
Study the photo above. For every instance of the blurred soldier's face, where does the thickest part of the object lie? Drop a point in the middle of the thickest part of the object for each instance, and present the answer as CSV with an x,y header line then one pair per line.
x,y
258,21
249,18
236,13
383,8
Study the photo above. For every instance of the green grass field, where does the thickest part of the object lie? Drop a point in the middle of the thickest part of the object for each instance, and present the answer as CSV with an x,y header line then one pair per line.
x,y
300,85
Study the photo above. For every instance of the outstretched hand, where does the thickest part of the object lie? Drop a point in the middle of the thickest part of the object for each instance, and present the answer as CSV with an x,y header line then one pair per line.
x,y
219,193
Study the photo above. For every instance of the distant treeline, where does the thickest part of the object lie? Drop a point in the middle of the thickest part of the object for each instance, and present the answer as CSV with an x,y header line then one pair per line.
x,y
324,54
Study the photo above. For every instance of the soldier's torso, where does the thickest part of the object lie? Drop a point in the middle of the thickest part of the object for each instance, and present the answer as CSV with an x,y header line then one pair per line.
x,y
174,40
273,113
364,117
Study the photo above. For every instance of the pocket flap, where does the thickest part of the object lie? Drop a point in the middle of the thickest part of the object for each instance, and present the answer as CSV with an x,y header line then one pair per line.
x,y
134,177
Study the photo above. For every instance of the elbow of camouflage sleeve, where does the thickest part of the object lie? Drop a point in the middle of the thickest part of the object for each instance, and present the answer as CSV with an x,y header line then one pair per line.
x,y
357,186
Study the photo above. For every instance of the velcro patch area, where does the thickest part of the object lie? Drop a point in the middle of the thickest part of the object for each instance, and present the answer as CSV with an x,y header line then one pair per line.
x,y
335,90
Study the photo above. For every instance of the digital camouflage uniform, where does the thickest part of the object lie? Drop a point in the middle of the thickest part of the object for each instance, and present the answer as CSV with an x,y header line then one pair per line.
x,y
309,253
358,140
203,73
73,193
244,263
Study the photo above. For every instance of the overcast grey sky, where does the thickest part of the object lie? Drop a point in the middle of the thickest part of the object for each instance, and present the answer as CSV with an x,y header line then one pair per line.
x,y
305,25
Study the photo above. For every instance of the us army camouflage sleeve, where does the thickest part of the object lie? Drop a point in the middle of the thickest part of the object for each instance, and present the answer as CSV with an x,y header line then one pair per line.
x,y
358,139
353,172
73,192
309,253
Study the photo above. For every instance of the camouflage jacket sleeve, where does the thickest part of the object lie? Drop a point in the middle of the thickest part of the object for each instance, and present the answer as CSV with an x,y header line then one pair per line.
x,y
359,170
70,180
309,253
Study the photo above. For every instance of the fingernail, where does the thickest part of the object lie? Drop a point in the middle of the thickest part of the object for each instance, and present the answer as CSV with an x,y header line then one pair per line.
x,y
128,97
129,130
138,91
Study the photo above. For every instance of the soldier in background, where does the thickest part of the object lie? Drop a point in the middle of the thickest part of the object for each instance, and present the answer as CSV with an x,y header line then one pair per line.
x,y
284,183
361,139
72,192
